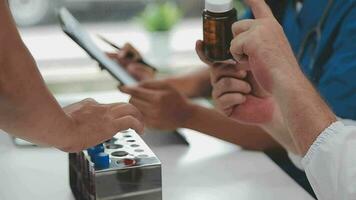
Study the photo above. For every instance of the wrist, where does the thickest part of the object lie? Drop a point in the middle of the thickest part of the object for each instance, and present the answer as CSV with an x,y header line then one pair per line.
x,y
305,113
64,133
278,129
192,114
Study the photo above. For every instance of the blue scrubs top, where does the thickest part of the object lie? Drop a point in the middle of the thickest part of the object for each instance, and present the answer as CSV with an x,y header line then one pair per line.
x,y
329,63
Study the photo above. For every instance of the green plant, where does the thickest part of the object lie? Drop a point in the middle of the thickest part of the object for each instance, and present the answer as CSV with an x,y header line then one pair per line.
x,y
160,16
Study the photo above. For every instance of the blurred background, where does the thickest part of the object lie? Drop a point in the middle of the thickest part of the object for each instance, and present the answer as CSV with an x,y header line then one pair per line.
x,y
164,31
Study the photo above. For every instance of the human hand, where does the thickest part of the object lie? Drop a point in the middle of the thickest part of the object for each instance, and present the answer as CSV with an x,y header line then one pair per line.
x,y
235,92
93,123
162,106
241,99
238,95
129,58
262,45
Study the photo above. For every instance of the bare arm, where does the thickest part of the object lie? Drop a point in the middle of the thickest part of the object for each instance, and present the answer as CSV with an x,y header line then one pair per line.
x,y
305,112
29,111
164,107
25,101
196,84
170,109
214,123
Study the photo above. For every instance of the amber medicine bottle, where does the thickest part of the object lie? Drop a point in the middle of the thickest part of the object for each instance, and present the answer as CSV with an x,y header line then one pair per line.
x,y
218,17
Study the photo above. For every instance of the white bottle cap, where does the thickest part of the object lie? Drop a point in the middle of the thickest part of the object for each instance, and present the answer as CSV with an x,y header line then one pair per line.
x,y
219,6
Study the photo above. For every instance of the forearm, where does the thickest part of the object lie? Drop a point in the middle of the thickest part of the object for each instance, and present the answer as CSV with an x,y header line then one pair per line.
x,y
305,113
196,84
213,123
28,110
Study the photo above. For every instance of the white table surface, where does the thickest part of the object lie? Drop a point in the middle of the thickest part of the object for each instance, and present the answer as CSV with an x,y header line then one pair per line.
x,y
208,169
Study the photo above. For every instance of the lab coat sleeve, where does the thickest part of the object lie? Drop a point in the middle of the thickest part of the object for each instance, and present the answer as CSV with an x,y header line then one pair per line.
x,y
330,163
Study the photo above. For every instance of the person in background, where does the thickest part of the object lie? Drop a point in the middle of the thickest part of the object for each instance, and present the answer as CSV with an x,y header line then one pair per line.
x,y
330,66
165,104
30,112
322,36
290,106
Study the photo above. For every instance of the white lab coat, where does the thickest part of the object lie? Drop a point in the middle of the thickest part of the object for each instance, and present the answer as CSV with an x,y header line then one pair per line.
x,y
330,163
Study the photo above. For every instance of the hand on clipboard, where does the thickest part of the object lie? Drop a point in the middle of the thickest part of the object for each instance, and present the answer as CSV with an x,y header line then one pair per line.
x,y
132,61
74,30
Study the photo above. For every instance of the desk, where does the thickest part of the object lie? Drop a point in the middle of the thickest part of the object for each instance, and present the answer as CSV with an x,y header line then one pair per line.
x,y
208,169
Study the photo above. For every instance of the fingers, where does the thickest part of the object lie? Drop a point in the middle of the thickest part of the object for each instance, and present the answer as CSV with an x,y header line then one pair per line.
x,y
122,110
237,48
227,71
131,52
242,26
230,85
143,106
112,56
230,92
199,48
227,101
128,122
126,55
140,71
240,30
259,8
120,57
149,91
127,116
139,92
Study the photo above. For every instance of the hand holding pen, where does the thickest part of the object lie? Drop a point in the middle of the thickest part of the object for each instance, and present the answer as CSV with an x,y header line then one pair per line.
x,y
129,58
128,51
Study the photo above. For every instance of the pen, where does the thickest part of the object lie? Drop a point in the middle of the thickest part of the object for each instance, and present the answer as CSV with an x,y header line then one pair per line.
x,y
129,54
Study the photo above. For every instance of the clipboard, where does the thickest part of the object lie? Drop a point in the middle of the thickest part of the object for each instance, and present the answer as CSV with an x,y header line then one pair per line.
x,y
73,29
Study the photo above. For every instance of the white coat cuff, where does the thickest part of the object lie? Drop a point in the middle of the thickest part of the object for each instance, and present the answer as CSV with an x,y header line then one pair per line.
x,y
323,138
